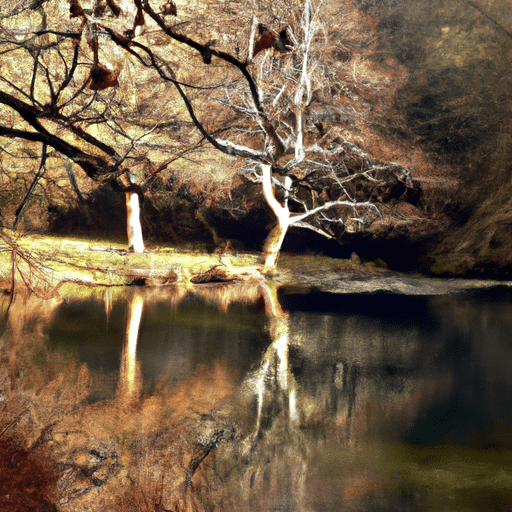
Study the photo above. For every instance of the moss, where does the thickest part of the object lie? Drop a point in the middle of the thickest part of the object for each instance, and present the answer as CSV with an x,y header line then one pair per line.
x,y
319,263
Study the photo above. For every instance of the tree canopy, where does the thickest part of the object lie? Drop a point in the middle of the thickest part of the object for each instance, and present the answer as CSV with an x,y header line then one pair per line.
x,y
126,89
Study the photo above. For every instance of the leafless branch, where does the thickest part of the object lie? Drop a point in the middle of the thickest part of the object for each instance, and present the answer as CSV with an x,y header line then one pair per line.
x,y
366,204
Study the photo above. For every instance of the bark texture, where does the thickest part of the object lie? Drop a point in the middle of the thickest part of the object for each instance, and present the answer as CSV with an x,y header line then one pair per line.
x,y
135,241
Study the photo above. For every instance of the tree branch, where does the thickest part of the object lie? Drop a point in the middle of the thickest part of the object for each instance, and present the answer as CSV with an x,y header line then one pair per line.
x,y
312,228
38,176
265,122
366,204
225,146
241,66
94,166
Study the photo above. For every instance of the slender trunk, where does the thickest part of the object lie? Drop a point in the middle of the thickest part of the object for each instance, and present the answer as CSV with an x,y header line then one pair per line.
x,y
38,176
252,39
134,228
276,236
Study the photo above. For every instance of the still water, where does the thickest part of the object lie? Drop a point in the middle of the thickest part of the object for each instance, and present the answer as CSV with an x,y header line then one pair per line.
x,y
264,399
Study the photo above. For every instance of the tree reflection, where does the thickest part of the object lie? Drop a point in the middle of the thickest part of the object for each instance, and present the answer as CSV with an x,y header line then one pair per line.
x,y
316,405
275,367
287,431
130,381
266,469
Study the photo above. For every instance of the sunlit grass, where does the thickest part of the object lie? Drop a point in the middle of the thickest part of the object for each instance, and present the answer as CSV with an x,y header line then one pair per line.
x,y
45,262
107,263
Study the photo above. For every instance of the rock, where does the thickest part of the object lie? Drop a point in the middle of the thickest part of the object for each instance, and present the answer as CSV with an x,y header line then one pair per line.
x,y
380,263
216,274
355,259
143,277
223,274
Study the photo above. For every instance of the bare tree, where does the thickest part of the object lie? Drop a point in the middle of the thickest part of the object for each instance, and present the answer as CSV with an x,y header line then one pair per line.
x,y
76,97
270,84
269,114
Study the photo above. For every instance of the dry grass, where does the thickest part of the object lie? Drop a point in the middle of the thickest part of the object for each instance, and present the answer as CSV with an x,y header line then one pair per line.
x,y
54,266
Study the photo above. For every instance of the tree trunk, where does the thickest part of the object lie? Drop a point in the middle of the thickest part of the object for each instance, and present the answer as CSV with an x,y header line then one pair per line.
x,y
273,245
134,228
276,236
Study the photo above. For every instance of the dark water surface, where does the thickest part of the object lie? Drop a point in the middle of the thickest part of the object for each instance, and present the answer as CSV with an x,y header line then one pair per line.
x,y
367,402
173,339
429,394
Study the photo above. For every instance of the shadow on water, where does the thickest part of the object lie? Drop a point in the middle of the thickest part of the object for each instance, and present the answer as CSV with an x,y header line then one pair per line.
x,y
254,398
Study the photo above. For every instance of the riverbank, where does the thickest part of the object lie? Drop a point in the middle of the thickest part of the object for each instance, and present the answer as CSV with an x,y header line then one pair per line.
x,y
50,263
50,260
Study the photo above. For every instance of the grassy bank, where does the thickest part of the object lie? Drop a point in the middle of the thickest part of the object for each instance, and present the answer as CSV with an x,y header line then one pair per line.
x,y
45,262
50,259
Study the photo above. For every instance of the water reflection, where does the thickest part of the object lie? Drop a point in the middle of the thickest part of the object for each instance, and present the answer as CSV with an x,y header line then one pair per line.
x,y
329,385
275,363
254,398
130,382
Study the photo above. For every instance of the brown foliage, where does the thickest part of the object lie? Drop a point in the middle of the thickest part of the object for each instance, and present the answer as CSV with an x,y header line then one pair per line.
x,y
75,9
28,479
270,39
102,78
102,4
169,9
139,18
138,22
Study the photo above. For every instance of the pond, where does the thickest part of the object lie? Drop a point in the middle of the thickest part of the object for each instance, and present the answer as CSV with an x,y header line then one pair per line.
x,y
258,398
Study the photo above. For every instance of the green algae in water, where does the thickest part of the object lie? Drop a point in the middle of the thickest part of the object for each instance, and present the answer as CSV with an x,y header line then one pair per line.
x,y
457,478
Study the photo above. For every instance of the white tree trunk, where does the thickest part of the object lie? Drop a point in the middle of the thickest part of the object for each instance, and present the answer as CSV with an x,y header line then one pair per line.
x,y
276,236
134,228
